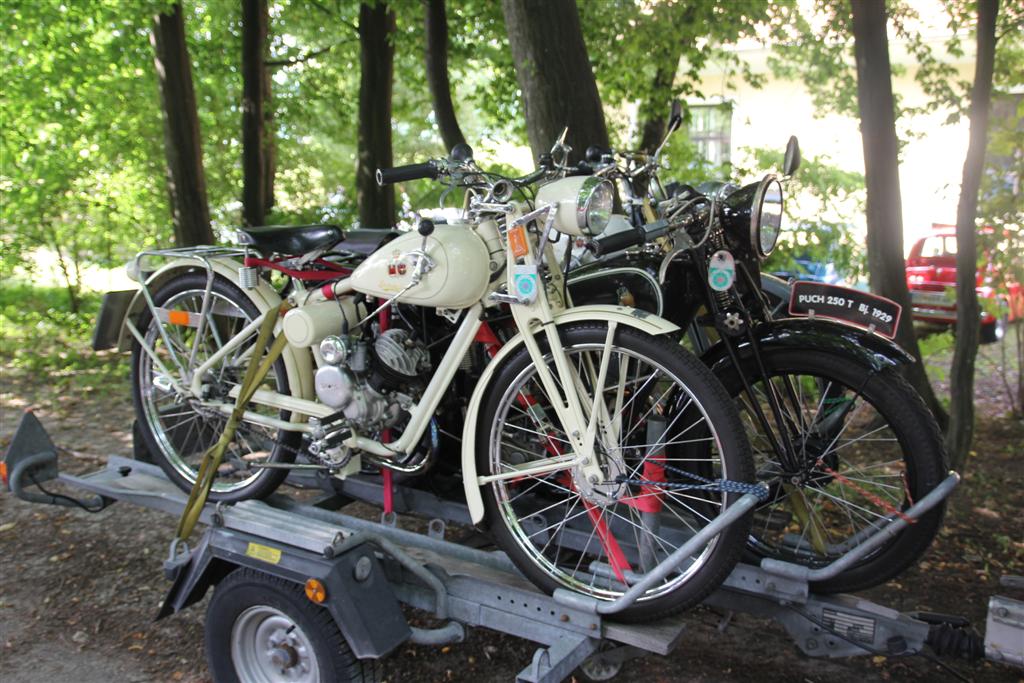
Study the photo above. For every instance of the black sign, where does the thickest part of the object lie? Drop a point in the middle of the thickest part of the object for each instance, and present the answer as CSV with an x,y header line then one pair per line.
x,y
851,306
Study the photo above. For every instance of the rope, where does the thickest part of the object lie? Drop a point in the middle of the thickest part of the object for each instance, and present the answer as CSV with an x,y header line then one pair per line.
x,y
724,485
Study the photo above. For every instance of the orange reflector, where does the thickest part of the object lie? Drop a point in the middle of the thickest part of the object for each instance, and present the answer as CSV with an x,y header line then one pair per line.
x,y
177,317
3,472
315,591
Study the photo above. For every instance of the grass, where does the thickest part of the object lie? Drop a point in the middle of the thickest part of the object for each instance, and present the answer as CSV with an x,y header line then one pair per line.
x,y
41,340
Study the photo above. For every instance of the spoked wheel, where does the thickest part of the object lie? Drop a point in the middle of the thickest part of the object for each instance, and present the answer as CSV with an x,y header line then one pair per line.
x,y
866,448
261,629
179,427
670,430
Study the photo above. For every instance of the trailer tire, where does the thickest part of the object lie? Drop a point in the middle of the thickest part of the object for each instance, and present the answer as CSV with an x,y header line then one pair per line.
x,y
248,614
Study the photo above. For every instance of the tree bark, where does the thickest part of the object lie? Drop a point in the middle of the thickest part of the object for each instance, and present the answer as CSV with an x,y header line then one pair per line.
x,y
554,74
886,267
186,182
961,408
257,159
655,104
436,59
376,57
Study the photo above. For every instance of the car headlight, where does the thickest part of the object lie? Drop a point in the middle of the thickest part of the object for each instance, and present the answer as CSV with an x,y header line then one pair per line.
x,y
766,216
594,205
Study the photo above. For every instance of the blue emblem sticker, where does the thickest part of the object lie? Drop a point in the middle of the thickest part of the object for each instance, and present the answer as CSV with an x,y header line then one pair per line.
x,y
524,279
721,271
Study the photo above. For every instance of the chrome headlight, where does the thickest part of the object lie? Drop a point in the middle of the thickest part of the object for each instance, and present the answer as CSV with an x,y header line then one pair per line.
x,y
766,216
594,205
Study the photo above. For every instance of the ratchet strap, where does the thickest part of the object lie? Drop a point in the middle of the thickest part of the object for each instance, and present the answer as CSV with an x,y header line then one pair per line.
x,y
254,375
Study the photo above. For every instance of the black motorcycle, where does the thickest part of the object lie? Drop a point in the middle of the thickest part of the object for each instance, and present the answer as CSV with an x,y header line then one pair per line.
x,y
844,441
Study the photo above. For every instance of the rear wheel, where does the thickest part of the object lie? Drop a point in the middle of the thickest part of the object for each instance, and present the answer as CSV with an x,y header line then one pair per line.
x,y
178,427
594,535
867,449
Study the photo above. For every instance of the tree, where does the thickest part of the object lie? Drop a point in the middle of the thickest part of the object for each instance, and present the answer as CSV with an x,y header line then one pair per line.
x,y
257,119
554,74
886,268
186,182
376,58
961,409
436,59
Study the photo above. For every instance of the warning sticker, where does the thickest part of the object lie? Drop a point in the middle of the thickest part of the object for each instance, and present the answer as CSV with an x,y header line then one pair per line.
x,y
264,553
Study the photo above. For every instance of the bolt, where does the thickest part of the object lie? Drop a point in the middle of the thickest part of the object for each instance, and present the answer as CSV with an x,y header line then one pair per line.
x,y
564,617
362,569
1002,612
811,644
576,434
585,461
593,479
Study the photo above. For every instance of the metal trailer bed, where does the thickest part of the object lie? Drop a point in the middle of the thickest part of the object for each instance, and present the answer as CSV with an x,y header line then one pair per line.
x,y
369,569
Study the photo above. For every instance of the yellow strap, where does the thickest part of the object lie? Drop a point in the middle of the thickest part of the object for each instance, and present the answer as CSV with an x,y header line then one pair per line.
x,y
254,375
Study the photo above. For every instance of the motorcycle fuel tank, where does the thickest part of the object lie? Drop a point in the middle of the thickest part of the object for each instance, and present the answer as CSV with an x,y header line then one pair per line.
x,y
458,279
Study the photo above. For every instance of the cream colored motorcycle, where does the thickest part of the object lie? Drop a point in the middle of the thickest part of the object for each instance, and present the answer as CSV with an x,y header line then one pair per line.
x,y
605,460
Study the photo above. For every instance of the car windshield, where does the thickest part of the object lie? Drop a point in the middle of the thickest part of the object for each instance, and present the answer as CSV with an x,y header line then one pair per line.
x,y
938,246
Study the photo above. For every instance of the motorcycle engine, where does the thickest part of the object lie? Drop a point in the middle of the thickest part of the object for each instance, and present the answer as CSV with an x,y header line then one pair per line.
x,y
368,382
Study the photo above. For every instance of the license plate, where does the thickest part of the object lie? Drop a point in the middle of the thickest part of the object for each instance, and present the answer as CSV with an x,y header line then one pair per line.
x,y
930,299
851,306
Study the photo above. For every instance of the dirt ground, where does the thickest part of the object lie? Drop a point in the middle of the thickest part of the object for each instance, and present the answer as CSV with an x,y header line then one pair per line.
x,y
78,592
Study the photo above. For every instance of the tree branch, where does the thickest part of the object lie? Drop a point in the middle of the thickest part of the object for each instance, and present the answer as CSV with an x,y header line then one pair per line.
x,y
306,57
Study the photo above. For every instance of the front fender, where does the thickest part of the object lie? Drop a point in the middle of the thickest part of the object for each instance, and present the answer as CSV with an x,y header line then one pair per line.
x,y
298,362
629,317
872,351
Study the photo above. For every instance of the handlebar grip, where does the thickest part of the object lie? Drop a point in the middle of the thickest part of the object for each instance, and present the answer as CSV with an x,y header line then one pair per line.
x,y
387,176
609,244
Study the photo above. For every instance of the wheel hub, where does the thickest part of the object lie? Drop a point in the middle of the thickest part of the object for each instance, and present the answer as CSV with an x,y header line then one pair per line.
x,y
602,491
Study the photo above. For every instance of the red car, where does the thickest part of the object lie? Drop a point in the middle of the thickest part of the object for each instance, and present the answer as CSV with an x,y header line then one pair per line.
x,y
931,277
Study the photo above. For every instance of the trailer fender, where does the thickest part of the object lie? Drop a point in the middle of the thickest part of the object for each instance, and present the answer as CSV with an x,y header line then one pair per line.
x,y
120,307
359,597
623,315
872,351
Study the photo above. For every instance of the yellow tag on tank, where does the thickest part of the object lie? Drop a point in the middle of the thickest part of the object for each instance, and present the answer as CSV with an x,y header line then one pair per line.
x,y
264,553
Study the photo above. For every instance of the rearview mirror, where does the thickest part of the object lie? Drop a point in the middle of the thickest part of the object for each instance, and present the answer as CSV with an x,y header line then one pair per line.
x,y
675,116
791,162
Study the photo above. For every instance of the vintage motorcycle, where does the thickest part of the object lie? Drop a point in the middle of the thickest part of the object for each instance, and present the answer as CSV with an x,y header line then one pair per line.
x,y
593,445
845,443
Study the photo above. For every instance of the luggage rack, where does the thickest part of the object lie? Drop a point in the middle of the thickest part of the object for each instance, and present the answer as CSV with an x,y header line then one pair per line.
x,y
371,568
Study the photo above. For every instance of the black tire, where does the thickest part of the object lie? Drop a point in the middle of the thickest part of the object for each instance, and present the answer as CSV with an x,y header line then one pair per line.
x,y
246,595
729,454
175,436
916,440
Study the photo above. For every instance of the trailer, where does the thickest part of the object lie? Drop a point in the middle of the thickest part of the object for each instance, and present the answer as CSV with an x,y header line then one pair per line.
x,y
300,588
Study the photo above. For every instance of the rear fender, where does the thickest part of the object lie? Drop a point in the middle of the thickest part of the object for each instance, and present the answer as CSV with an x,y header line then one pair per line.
x,y
872,351
298,362
628,317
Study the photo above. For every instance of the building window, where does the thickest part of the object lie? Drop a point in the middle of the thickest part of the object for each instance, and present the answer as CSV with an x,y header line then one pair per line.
x,y
710,131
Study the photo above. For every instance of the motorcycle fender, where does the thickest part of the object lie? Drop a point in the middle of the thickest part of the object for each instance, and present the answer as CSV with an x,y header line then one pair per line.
x,y
629,317
298,363
870,350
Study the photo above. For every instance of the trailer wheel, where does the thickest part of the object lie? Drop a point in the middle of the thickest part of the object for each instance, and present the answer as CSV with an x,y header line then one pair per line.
x,y
261,629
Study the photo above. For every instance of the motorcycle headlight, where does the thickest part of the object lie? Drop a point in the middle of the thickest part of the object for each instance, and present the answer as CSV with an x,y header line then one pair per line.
x,y
766,216
594,205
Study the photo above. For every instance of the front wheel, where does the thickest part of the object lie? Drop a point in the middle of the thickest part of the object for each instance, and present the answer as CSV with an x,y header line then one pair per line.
x,y
866,449
261,629
671,429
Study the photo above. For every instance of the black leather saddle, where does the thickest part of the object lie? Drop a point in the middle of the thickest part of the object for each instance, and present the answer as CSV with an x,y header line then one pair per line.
x,y
293,240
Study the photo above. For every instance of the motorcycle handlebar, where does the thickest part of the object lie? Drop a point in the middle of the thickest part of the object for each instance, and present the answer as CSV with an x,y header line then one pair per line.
x,y
387,176
603,245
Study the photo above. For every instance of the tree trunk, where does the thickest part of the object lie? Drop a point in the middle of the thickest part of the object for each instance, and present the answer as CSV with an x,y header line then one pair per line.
x,y
436,58
554,74
376,57
186,183
886,267
255,94
655,104
961,407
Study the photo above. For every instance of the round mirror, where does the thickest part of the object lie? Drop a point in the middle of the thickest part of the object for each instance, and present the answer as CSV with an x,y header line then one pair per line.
x,y
766,217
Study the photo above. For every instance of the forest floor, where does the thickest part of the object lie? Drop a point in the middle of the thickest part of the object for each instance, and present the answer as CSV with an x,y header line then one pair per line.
x,y
78,592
